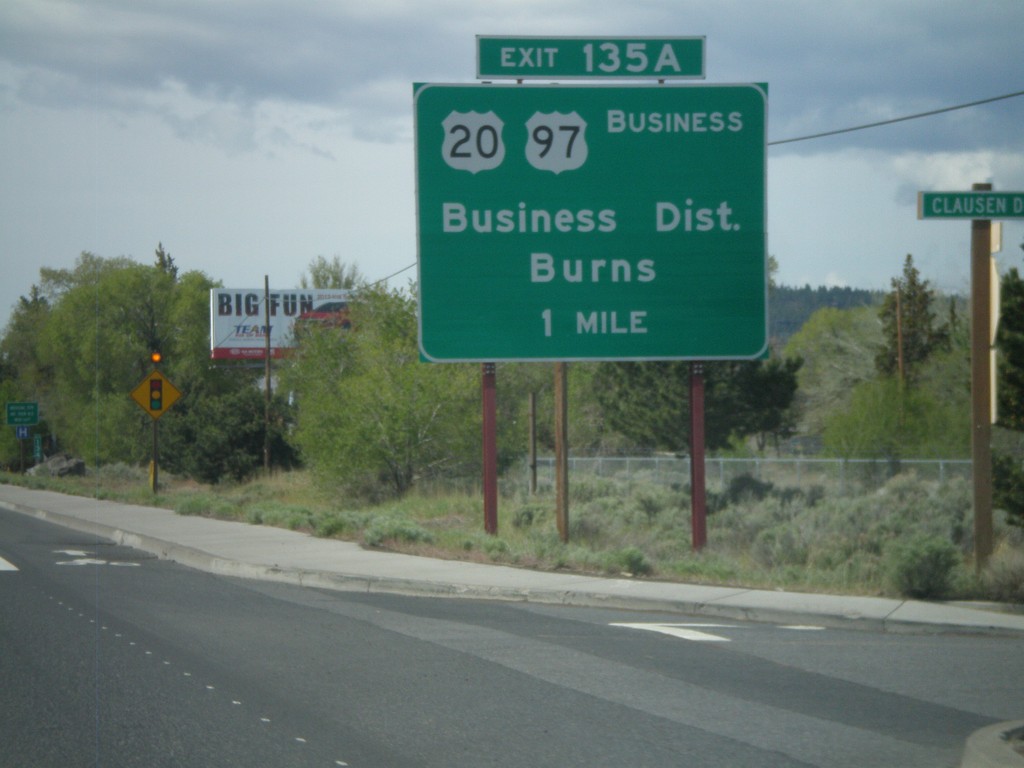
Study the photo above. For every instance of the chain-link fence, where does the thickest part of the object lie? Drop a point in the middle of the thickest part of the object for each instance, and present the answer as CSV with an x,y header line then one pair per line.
x,y
837,475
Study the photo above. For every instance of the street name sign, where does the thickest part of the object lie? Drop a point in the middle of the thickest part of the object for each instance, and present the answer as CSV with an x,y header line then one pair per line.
x,y
569,58
591,222
22,414
970,205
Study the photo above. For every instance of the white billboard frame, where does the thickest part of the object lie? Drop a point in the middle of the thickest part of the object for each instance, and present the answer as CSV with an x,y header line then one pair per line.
x,y
238,318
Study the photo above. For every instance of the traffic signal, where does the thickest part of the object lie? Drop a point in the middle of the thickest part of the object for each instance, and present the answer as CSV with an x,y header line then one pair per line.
x,y
156,394
155,357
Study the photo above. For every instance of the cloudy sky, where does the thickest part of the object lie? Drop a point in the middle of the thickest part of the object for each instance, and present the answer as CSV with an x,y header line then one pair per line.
x,y
251,136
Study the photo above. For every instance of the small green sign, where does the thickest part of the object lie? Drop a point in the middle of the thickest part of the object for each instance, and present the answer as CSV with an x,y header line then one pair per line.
x,y
970,205
22,414
660,58
591,222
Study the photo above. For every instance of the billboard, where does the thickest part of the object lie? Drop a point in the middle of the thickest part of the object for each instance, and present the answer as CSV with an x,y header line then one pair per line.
x,y
238,319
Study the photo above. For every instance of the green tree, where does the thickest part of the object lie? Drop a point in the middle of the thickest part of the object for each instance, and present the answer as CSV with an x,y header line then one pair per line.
x,y
1010,344
18,359
909,330
220,437
838,348
111,314
372,418
333,274
765,394
887,420
165,263
1008,462
649,403
81,342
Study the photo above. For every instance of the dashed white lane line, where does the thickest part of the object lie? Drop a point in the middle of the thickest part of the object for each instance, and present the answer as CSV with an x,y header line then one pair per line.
x,y
168,663
6,565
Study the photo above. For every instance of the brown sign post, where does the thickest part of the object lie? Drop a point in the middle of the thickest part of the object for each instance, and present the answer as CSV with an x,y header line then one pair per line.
x,y
981,205
155,394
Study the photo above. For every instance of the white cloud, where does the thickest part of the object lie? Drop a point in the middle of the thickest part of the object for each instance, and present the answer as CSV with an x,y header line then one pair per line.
x,y
250,137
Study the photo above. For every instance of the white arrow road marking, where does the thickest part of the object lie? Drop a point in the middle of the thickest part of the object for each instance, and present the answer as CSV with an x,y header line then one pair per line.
x,y
7,566
82,561
81,558
693,632
684,631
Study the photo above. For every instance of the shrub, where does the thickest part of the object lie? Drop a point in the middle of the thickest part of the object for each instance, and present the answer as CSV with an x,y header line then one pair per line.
x,y
633,561
922,567
528,514
780,545
745,488
652,501
398,529
1003,580
291,516
587,488
328,525
496,547
206,505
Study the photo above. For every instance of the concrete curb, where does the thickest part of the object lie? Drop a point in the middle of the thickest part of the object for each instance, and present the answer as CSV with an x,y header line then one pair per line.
x,y
990,747
846,612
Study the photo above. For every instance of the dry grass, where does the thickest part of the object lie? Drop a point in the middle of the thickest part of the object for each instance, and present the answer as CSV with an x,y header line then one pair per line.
x,y
793,538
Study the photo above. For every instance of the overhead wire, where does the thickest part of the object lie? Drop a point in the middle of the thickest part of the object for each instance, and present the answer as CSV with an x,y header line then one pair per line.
x,y
891,121
836,132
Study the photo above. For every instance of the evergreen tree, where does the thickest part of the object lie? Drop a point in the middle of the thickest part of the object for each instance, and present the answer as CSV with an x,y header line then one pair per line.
x,y
1010,343
165,263
649,403
908,325
1008,466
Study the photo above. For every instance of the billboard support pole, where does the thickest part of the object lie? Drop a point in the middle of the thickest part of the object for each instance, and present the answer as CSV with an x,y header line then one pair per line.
x,y
490,447
266,353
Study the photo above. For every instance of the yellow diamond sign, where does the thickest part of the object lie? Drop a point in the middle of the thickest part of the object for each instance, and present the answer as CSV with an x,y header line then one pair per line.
x,y
155,394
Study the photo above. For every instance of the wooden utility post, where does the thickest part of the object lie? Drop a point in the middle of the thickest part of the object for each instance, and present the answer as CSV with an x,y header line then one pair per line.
x,y
981,383
533,444
981,205
561,452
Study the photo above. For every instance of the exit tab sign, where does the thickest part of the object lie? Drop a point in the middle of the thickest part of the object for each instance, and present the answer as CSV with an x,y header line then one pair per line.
x,y
659,58
970,205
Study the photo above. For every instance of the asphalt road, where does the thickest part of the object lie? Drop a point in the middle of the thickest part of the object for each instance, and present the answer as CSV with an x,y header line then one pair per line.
x,y
109,657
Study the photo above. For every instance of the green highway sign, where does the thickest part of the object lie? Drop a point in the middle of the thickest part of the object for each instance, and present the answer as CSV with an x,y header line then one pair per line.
x,y
659,58
970,205
22,414
591,222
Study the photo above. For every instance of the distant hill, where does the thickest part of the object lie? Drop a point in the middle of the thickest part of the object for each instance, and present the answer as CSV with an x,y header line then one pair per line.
x,y
789,307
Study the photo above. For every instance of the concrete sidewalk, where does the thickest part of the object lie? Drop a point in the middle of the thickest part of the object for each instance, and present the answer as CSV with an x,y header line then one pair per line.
x,y
275,554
